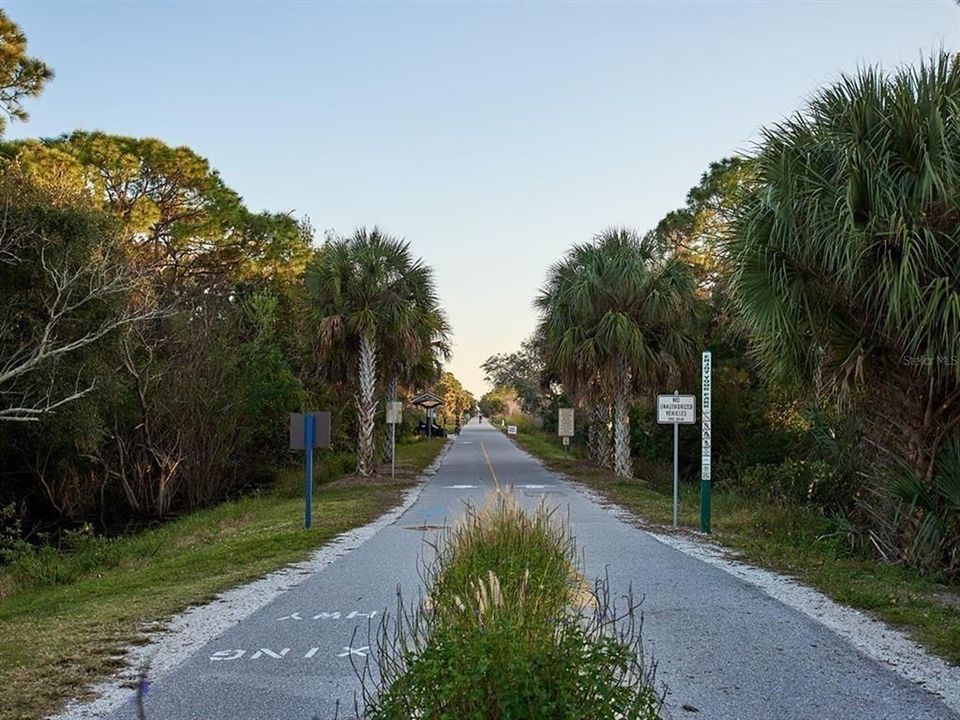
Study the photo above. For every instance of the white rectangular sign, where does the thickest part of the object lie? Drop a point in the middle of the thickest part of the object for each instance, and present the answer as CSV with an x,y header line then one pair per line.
x,y
676,409
511,429
394,413
565,423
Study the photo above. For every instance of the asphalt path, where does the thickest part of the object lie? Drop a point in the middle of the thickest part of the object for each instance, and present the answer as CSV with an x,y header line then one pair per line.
x,y
722,645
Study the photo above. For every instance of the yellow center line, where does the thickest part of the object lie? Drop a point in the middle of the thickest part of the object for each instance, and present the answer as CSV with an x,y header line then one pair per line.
x,y
490,465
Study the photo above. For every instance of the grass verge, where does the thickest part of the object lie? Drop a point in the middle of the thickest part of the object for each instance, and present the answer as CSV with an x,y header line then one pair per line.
x,y
61,632
792,540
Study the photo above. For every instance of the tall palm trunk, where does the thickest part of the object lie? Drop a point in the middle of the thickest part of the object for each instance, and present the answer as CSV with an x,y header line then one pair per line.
x,y
598,440
389,396
366,406
622,465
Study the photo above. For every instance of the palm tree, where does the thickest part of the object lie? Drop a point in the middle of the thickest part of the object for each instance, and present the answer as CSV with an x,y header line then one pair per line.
x,y
369,294
414,359
617,316
598,436
846,253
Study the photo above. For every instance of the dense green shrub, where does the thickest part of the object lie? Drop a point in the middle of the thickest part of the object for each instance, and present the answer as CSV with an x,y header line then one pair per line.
x,y
565,671
327,467
51,562
792,481
916,520
524,423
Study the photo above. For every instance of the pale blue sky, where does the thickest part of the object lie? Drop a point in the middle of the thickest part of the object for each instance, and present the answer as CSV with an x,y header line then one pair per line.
x,y
492,136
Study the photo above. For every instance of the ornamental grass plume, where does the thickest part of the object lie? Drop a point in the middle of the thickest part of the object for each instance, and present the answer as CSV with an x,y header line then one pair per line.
x,y
509,628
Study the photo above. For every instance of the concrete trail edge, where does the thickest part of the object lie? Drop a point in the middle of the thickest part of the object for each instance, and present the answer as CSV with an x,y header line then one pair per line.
x,y
871,637
172,642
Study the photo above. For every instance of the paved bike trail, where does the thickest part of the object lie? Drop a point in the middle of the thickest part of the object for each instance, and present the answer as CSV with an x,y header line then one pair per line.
x,y
722,645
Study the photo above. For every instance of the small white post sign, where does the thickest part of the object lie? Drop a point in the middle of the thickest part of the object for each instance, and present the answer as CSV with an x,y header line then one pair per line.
x,y
394,418
394,412
676,410
565,422
511,429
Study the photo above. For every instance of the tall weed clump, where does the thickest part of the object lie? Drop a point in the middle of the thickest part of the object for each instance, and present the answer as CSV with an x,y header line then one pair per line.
x,y
509,628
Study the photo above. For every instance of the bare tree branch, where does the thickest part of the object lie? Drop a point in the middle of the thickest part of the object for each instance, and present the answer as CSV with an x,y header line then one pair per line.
x,y
70,288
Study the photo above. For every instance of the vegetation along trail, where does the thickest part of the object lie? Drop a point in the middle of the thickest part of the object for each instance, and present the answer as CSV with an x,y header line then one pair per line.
x,y
174,324
724,647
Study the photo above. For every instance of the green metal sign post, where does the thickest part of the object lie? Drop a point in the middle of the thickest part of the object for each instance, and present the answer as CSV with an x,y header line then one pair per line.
x,y
706,429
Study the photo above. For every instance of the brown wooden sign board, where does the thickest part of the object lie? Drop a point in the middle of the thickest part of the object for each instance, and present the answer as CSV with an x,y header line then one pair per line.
x,y
428,401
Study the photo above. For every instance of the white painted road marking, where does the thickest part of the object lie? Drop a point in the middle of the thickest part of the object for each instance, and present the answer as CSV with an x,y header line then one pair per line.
x,y
533,487
227,655
263,651
335,615
361,651
459,487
